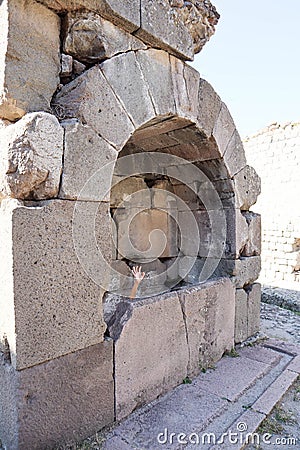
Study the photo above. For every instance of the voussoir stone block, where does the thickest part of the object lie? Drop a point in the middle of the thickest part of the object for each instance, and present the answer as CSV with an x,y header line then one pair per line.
x,y
88,164
209,316
59,401
55,303
91,99
29,57
208,107
143,372
185,86
224,129
248,187
124,74
155,65
31,157
234,156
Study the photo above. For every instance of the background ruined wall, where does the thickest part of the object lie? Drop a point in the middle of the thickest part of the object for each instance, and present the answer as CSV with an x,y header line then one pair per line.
x,y
274,153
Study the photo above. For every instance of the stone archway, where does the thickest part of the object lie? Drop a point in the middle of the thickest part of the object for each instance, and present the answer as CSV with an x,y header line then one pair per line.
x,y
56,321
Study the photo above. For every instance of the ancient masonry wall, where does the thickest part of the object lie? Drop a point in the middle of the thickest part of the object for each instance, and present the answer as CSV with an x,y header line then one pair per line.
x,y
275,153
85,87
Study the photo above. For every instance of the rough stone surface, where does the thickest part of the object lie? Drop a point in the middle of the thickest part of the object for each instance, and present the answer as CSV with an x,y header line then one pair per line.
x,y
241,316
88,164
208,107
31,157
243,271
159,29
90,98
58,311
90,38
207,308
125,14
66,65
185,87
74,397
124,74
124,190
248,187
155,65
234,155
29,57
254,298
253,245
143,372
224,129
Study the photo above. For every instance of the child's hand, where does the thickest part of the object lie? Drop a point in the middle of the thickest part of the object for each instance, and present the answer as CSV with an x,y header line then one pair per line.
x,y
137,273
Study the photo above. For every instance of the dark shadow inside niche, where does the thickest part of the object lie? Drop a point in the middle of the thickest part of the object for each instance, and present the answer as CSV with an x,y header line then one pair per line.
x,y
162,205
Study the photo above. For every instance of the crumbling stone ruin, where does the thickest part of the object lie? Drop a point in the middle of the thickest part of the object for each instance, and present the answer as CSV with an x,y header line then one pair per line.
x,y
274,152
115,152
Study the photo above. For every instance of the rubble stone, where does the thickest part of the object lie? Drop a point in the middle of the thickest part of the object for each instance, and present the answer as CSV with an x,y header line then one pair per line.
x,y
31,157
29,57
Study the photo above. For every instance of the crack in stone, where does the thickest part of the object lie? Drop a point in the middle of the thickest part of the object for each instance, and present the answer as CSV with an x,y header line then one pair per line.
x,y
182,305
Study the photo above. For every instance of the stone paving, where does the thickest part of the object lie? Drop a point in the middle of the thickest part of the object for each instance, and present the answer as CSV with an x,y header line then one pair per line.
x,y
234,397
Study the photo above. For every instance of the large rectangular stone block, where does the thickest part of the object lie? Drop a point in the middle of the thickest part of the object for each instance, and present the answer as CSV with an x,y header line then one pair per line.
x,y
29,57
253,245
56,304
125,13
243,271
146,370
209,311
158,28
57,402
254,299
88,164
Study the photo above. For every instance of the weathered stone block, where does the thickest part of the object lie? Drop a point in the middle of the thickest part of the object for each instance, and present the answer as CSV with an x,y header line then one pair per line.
x,y
159,29
254,299
155,65
124,75
31,157
91,99
253,245
208,107
143,372
90,38
234,156
186,86
241,316
57,402
88,164
58,310
248,187
125,13
145,234
209,317
224,129
29,57
243,271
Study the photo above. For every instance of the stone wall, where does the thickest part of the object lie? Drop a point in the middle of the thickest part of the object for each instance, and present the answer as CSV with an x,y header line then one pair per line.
x,y
274,153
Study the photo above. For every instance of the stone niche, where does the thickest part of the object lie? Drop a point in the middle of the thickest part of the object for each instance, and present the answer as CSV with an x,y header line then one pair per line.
x,y
112,155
